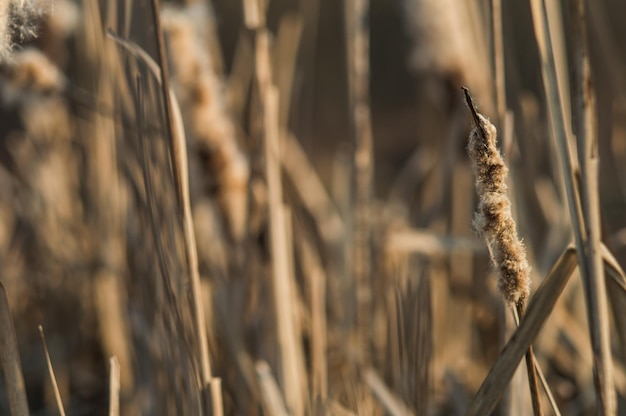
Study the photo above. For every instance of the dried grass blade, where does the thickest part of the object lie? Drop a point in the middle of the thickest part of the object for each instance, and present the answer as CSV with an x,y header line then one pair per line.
x,y
53,379
311,190
316,283
10,360
392,404
291,376
539,308
546,388
272,401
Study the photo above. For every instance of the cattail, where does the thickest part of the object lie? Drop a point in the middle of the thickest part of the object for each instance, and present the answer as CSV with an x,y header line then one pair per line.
x,y
443,31
211,131
18,21
30,70
493,219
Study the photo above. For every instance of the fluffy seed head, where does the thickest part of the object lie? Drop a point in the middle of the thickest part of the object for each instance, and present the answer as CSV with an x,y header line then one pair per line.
x,y
493,219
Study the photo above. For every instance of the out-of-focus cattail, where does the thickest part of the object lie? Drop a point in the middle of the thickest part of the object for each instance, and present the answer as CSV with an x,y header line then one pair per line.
x,y
18,21
444,31
211,131
493,219
31,71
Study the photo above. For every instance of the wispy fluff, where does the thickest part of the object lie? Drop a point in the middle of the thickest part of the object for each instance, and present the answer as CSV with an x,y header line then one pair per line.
x,y
18,22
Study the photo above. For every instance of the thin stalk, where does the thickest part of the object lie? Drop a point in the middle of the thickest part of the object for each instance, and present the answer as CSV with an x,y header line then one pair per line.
x,y
357,45
595,284
114,387
531,365
53,379
179,163
537,312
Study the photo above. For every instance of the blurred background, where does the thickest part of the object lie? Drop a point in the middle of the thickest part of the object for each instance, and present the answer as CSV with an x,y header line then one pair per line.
x,y
331,198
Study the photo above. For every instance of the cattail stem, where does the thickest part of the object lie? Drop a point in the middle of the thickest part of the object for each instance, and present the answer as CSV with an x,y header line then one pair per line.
x,y
531,366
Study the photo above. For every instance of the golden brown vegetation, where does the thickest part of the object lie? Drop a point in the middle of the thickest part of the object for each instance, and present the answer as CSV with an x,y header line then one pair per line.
x,y
265,207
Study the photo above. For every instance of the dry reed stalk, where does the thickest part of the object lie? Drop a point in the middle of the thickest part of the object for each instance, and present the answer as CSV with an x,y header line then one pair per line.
x,y
582,201
292,369
595,283
240,77
285,60
542,378
411,332
292,361
272,401
616,281
114,386
113,326
316,284
181,174
106,195
356,13
392,404
537,312
209,127
53,380
495,222
311,191
10,360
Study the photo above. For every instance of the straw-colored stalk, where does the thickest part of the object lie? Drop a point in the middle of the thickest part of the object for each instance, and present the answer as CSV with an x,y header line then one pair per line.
x,y
114,386
582,197
357,46
181,173
595,284
292,369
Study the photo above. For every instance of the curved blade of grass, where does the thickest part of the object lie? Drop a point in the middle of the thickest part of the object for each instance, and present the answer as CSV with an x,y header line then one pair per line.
x,y
53,379
538,310
181,175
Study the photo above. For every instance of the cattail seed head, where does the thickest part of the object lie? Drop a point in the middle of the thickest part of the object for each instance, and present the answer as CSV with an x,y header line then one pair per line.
x,y
493,219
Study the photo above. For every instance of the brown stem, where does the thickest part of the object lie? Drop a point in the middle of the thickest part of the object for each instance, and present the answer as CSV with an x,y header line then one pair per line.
x,y
530,366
